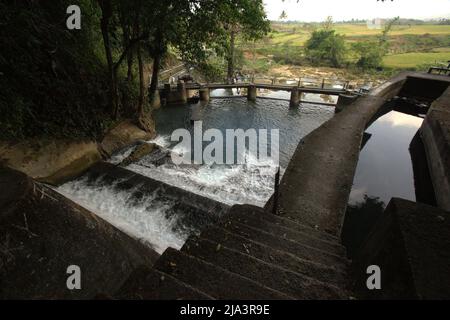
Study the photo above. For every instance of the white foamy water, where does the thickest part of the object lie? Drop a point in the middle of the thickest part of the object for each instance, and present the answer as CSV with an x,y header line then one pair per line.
x,y
146,218
250,183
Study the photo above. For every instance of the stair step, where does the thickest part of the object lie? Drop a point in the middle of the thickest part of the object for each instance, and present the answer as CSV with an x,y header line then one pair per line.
x,y
303,237
325,273
149,284
298,249
252,211
294,284
215,281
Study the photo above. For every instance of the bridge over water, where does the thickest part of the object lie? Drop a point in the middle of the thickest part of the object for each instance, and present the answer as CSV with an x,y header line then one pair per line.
x,y
182,91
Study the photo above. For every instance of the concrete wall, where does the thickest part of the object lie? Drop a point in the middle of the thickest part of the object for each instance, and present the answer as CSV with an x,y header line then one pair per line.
x,y
317,182
435,133
410,244
42,233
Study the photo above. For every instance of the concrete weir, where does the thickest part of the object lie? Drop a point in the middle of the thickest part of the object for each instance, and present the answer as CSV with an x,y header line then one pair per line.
x,y
42,233
203,209
248,252
316,185
317,182
253,254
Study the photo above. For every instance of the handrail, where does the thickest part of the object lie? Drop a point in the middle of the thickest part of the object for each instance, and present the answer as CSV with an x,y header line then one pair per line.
x,y
446,71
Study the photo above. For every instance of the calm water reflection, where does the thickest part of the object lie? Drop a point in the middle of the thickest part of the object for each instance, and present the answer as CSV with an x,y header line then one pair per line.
x,y
384,171
384,168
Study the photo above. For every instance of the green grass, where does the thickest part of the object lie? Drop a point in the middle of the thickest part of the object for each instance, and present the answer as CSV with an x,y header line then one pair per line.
x,y
363,30
296,39
298,34
411,46
413,59
446,49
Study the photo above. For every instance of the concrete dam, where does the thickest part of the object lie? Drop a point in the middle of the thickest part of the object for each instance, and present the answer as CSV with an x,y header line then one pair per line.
x,y
150,230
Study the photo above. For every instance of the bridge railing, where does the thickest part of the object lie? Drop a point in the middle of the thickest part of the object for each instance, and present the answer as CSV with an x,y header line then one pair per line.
x,y
309,82
439,70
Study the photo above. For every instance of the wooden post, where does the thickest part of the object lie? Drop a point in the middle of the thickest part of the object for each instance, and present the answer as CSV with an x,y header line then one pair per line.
x,y
323,83
276,191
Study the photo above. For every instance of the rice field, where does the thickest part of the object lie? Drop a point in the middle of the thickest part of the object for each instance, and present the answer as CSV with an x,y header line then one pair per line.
x,y
419,51
413,59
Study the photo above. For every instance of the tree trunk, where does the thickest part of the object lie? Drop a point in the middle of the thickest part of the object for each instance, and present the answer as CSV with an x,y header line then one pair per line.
x,y
126,42
130,66
230,58
127,34
155,73
105,6
140,108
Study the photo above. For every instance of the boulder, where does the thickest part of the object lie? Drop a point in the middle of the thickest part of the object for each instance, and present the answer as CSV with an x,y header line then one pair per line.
x,y
51,161
146,123
141,151
127,133
42,233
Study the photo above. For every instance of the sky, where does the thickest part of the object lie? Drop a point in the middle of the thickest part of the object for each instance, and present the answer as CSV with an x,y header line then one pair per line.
x,y
319,10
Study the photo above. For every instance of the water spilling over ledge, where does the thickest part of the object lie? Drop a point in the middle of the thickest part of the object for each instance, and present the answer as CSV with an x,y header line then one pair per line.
x,y
157,220
150,219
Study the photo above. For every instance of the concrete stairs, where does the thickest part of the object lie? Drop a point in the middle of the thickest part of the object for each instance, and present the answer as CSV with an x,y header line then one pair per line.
x,y
248,254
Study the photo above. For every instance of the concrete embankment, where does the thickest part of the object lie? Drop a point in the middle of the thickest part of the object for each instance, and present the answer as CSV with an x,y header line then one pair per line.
x,y
42,233
50,161
317,182
316,185
55,161
250,253
435,133
409,243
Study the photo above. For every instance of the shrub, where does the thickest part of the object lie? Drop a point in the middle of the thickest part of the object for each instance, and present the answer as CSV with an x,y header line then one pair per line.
x,y
326,47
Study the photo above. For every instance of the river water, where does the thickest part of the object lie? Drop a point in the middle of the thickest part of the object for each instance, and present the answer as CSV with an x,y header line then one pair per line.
x,y
151,219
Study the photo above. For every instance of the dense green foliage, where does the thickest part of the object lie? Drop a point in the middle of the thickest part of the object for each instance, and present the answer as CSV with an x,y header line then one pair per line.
x,y
326,46
53,80
370,54
61,82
